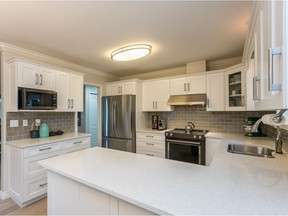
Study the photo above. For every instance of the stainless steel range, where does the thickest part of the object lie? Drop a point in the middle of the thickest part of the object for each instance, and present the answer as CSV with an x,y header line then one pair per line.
x,y
186,146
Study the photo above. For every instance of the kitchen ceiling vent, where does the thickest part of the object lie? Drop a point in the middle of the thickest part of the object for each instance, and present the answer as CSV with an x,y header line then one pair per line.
x,y
192,99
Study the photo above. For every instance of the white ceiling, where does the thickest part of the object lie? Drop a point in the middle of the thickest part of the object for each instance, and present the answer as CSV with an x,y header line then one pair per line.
x,y
86,32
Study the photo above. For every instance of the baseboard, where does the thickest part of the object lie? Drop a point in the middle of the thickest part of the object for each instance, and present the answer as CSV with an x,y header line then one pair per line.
x,y
4,195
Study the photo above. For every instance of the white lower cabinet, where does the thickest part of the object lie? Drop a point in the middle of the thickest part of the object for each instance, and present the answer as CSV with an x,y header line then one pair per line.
x,y
212,144
150,144
28,180
69,197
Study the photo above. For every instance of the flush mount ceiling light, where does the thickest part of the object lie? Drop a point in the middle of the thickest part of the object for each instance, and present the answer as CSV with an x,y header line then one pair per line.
x,y
131,52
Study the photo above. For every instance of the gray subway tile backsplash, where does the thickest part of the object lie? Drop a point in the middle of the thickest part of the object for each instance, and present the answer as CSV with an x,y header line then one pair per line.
x,y
56,121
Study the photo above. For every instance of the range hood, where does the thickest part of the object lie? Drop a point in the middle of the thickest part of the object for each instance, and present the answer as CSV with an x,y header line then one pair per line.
x,y
191,99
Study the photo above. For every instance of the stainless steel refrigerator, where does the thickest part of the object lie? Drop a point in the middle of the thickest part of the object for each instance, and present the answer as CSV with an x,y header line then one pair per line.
x,y
118,122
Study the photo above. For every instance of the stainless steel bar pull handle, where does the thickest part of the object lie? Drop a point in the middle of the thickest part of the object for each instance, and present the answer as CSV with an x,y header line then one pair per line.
x,y
72,103
68,103
185,87
256,80
271,53
77,142
45,149
42,185
156,104
188,86
153,104
41,79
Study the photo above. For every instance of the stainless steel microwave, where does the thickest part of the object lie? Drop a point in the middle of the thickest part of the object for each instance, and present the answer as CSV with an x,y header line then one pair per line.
x,y
35,99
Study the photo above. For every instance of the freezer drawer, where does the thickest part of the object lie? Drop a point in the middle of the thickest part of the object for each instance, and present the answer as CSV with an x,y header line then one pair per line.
x,y
119,144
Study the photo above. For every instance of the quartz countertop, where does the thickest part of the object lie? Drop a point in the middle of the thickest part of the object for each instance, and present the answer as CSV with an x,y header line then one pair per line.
x,y
232,184
25,143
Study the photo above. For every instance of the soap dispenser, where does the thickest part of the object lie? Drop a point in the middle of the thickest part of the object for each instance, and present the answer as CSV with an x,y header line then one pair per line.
x,y
44,130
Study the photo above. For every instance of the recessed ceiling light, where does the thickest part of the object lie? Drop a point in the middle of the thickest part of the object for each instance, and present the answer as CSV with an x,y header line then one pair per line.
x,y
131,52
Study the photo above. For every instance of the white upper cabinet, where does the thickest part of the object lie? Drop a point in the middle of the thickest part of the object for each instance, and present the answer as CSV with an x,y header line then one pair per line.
x,y
215,92
235,89
155,95
34,76
70,92
121,88
270,72
188,85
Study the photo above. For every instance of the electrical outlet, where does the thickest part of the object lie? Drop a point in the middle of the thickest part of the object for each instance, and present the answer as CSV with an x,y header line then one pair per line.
x,y
38,121
13,123
25,123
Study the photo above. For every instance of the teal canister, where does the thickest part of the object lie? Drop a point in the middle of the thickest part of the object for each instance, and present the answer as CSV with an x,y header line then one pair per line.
x,y
43,130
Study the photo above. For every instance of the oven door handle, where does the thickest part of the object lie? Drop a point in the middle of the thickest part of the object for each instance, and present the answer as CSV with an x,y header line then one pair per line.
x,y
183,142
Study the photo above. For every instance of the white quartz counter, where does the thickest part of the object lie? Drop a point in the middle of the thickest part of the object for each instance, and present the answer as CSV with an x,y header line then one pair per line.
x,y
232,184
24,143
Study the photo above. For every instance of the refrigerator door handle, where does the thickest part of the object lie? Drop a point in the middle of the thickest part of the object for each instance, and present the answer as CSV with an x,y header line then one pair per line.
x,y
114,115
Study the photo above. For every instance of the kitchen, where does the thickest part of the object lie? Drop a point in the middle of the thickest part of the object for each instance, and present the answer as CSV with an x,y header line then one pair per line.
x,y
225,121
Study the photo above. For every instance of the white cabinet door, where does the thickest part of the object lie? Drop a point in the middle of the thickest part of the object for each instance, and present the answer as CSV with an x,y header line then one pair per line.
x,y
271,65
162,89
215,92
47,78
196,84
113,89
76,93
148,96
235,89
128,88
121,88
34,76
212,145
178,86
155,95
69,89
188,85
27,75
63,91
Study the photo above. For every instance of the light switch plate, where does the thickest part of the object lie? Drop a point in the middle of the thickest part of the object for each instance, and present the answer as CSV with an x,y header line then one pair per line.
x,y
13,123
25,122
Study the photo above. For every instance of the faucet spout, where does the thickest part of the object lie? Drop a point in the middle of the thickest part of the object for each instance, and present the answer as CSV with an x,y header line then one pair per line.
x,y
278,141
255,126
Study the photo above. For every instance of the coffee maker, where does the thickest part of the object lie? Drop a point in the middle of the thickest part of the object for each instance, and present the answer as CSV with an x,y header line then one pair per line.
x,y
155,120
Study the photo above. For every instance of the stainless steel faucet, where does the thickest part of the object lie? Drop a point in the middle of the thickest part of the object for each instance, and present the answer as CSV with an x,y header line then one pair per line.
x,y
278,141
255,126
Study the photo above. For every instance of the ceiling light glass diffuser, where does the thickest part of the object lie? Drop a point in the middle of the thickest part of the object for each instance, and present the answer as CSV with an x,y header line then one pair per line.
x,y
131,52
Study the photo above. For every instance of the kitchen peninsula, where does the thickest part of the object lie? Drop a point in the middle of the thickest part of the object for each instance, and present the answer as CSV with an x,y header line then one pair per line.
x,y
105,181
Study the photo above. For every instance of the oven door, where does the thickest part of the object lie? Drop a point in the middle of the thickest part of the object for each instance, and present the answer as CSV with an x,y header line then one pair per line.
x,y
186,151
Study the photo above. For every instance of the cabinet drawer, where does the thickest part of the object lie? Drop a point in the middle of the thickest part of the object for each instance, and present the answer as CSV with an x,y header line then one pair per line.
x,y
35,187
150,144
31,167
76,144
144,151
41,149
150,136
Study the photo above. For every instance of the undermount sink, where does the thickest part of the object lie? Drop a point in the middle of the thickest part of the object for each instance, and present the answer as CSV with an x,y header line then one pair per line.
x,y
250,150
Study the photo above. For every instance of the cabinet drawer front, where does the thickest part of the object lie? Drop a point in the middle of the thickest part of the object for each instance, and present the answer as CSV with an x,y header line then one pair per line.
x,y
35,187
41,149
151,153
150,144
151,136
31,167
76,144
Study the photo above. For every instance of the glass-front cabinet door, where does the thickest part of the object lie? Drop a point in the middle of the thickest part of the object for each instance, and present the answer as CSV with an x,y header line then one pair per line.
x,y
235,89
